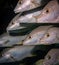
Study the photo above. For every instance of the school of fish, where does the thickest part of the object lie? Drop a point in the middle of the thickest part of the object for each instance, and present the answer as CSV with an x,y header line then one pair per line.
x,y
20,47
49,14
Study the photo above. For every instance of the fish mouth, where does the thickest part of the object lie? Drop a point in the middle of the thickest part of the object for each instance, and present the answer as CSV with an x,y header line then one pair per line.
x,y
17,9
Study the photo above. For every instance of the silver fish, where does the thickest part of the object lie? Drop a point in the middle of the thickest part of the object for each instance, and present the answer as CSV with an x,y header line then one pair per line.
x,y
52,57
50,13
43,35
15,22
10,41
17,53
24,5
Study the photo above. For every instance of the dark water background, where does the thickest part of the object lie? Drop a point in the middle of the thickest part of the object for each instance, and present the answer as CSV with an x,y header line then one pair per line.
x,y
6,13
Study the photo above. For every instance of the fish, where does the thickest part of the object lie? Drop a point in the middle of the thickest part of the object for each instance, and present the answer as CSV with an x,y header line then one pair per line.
x,y
45,35
10,41
25,5
15,23
50,13
15,28
17,53
52,57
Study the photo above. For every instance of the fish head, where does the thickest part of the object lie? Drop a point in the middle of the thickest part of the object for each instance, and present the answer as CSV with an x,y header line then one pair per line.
x,y
49,12
51,57
5,58
35,36
42,35
30,40
24,5
13,22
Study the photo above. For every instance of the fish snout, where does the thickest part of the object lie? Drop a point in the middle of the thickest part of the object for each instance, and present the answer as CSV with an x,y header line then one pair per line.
x,y
17,9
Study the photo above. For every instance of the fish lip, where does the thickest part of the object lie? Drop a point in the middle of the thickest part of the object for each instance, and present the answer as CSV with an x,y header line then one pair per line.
x,y
16,10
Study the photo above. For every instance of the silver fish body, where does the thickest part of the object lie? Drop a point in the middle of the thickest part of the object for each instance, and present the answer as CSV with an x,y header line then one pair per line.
x,y
29,18
15,22
43,35
24,5
50,13
16,54
52,57
10,41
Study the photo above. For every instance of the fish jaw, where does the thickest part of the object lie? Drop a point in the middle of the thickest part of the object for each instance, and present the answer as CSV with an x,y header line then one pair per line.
x,y
49,13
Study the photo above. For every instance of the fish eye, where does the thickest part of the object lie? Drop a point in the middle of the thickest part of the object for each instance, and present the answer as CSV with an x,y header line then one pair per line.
x,y
12,23
47,11
20,2
49,57
29,37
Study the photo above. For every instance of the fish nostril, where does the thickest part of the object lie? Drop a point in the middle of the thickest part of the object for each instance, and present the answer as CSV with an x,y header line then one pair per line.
x,y
49,57
22,40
